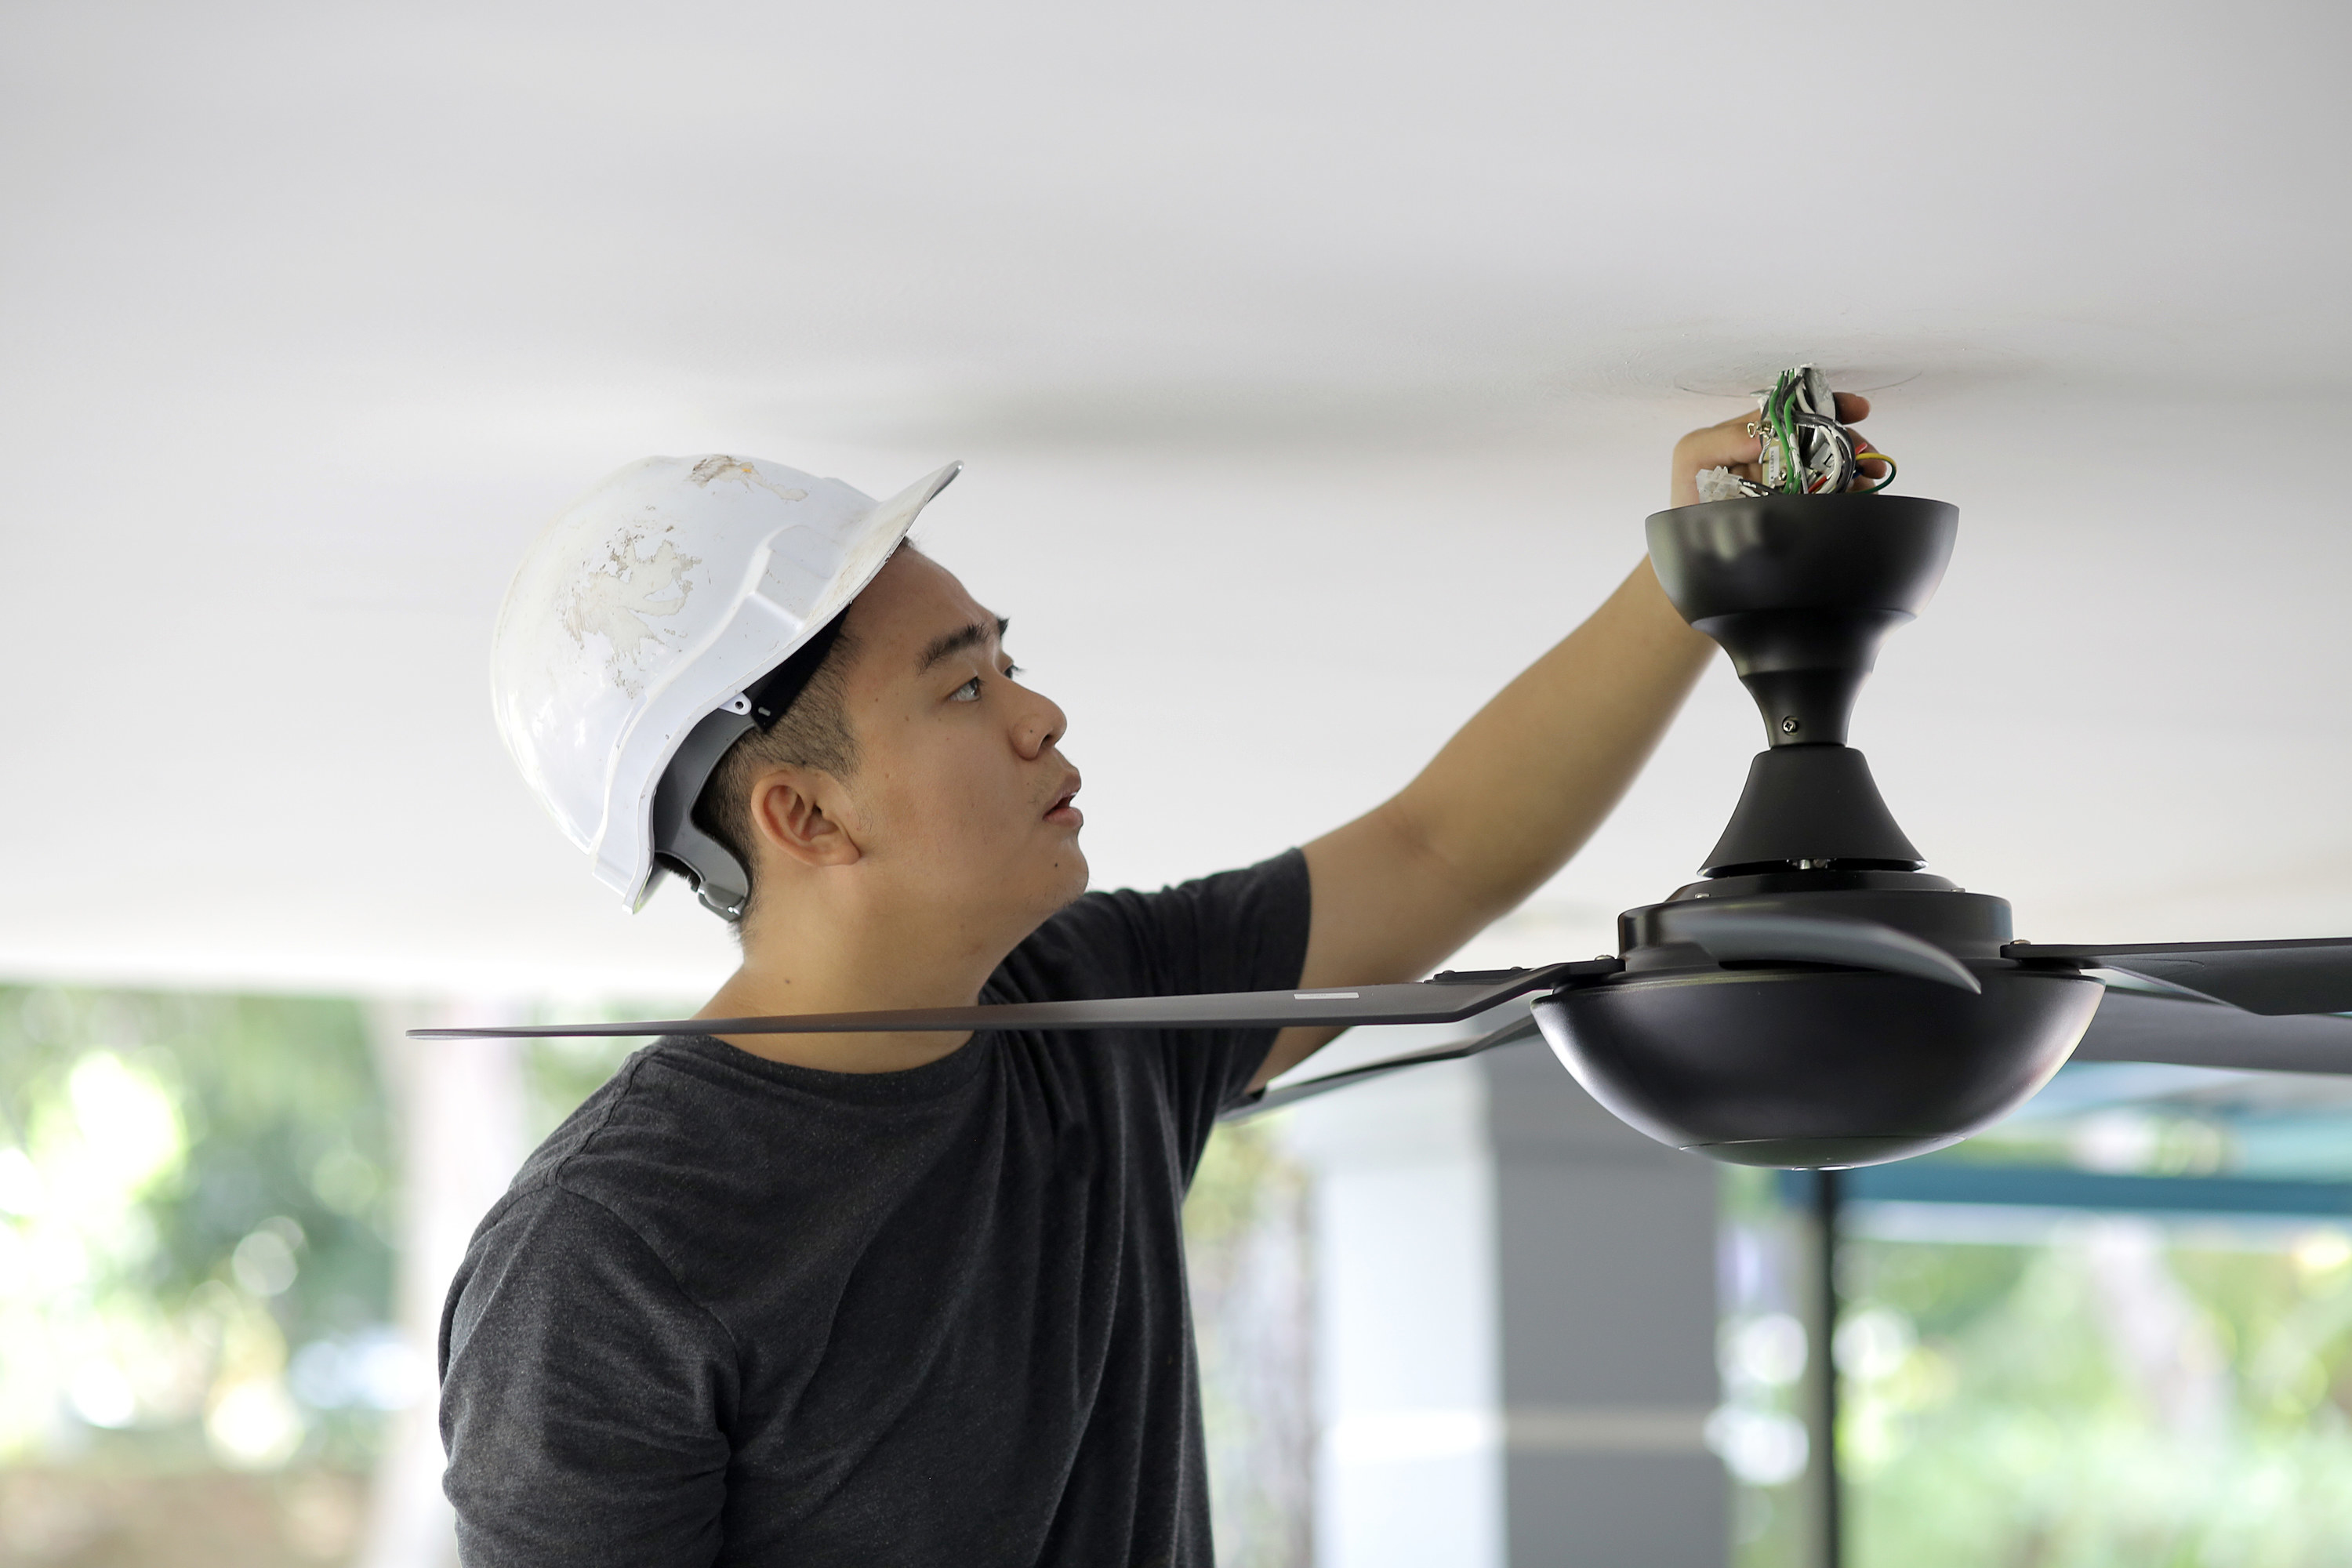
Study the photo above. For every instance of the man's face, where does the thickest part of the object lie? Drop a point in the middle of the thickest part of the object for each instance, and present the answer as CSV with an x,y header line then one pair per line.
x,y
961,798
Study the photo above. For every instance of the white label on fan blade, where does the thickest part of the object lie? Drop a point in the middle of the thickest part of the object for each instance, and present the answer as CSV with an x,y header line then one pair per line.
x,y
1323,995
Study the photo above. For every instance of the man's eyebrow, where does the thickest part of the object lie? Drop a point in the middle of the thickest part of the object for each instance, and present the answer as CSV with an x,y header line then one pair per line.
x,y
958,640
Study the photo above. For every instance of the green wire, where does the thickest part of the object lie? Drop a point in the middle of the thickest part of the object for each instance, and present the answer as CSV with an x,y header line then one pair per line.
x,y
1793,481
1792,477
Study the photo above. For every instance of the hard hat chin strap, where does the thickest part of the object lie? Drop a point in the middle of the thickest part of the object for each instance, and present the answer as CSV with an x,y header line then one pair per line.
x,y
720,880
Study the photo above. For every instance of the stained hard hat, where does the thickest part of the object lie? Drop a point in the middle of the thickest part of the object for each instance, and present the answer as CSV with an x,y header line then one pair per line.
x,y
635,630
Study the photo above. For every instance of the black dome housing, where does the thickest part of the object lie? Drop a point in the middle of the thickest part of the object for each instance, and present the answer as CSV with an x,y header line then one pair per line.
x,y
1808,1065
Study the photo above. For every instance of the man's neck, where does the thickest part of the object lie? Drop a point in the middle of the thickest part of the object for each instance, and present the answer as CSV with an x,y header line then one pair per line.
x,y
849,966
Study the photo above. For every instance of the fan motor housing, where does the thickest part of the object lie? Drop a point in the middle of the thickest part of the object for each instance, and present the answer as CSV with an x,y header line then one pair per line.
x,y
1810,1066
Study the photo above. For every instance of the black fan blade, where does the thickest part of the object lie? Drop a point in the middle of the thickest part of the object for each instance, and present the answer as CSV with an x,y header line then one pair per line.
x,y
1446,998
2132,1026
2272,978
1730,934
1267,1099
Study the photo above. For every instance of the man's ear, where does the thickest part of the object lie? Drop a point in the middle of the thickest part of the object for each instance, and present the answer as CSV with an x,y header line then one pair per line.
x,y
788,811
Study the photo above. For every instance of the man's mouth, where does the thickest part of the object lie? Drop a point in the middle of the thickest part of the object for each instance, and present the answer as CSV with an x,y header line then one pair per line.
x,y
1063,812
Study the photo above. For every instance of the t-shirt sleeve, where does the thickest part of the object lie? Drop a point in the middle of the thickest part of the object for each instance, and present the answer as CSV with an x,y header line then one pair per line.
x,y
584,1397
1237,931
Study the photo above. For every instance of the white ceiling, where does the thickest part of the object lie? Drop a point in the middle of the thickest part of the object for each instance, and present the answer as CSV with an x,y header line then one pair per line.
x,y
1314,365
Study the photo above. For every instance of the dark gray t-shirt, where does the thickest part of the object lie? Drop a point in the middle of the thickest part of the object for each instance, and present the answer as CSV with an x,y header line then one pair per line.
x,y
736,1311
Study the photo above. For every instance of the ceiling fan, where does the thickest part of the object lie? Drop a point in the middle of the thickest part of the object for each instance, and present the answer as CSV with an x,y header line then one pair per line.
x,y
1816,999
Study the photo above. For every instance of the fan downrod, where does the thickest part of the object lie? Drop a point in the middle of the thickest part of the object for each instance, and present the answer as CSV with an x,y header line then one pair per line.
x,y
1800,591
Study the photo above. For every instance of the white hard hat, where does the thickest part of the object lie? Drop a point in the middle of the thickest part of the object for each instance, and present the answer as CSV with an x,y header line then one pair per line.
x,y
635,627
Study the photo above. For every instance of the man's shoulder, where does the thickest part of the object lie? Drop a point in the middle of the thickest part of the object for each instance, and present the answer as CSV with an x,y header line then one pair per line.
x,y
642,1146
711,1156
638,1095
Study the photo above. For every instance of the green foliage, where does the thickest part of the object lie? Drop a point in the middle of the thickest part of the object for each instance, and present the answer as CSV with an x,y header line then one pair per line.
x,y
1247,1251
1940,1290
1241,1173
2100,1403
558,1073
197,1186
287,1120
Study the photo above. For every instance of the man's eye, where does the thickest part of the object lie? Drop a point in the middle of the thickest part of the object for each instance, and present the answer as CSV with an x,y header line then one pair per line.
x,y
1013,671
968,692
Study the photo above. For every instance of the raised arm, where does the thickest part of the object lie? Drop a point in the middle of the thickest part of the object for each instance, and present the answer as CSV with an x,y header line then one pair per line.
x,y
1518,790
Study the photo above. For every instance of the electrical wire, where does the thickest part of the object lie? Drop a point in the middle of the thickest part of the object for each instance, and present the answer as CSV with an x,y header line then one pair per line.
x,y
1793,473
1805,449
1830,435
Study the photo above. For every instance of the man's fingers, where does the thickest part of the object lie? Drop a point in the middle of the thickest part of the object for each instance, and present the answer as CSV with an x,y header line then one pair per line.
x,y
1853,408
1871,467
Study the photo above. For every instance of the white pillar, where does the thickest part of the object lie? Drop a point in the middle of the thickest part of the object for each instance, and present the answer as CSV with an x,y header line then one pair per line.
x,y
460,1118
1517,1314
1409,1470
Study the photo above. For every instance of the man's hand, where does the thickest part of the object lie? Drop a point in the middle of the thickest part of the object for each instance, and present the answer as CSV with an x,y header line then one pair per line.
x,y
1734,445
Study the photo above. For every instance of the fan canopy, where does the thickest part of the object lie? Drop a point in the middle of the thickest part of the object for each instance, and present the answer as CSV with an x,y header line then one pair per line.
x,y
1800,590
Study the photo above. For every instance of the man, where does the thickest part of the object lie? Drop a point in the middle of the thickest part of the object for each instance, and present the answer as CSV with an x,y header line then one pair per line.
x,y
916,1299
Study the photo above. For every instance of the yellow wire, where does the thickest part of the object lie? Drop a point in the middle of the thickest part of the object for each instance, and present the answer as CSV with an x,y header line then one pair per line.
x,y
1866,457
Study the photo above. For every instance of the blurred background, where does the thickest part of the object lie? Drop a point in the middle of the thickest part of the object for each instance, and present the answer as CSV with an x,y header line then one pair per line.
x,y
1314,367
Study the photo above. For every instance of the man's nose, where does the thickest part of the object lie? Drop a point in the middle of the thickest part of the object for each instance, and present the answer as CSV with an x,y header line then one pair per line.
x,y
1041,723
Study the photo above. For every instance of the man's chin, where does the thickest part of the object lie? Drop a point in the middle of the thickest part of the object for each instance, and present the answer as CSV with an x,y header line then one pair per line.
x,y
1063,883
1025,896
1076,873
